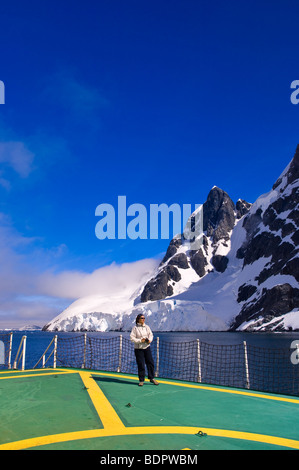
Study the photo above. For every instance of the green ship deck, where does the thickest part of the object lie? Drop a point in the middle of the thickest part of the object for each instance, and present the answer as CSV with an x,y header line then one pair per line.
x,y
68,409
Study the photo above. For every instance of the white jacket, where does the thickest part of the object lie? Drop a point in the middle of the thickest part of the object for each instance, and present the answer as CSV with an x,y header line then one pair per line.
x,y
138,332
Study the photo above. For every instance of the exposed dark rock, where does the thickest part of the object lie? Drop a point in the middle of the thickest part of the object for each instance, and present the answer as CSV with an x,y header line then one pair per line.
x,y
172,249
262,245
173,273
245,292
292,268
287,229
220,263
272,303
251,224
205,245
295,238
293,170
199,262
180,260
294,215
242,207
159,287
218,215
288,202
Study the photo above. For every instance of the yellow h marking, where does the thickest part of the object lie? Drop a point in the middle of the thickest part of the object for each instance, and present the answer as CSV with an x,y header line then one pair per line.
x,y
105,410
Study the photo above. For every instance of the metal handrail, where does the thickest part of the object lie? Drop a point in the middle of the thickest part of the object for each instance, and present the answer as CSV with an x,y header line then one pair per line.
x,y
22,354
10,350
54,352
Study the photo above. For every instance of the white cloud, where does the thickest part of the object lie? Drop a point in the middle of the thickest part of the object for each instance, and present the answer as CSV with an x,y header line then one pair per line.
x,y
33,292
108,281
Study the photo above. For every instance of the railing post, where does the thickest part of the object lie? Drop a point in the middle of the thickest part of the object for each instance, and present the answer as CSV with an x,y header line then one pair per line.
x,y
246,365
158,357
199,361
24,352
17,359
120,353
55,352
84,352
10,351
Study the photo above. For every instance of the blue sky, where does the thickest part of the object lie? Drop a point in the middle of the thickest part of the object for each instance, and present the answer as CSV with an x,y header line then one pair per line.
x,y
158,101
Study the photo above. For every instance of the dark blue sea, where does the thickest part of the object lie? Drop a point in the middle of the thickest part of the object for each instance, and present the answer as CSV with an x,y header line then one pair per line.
x,y
38,341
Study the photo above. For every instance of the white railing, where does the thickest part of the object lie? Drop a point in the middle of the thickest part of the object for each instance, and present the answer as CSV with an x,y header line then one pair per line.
x,y
53,352
6,349
21,354
84,354
246,365
198,360
158,358
120,353
10,351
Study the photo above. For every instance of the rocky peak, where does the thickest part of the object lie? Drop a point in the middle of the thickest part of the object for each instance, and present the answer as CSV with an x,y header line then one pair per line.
x,y
290,174
219,217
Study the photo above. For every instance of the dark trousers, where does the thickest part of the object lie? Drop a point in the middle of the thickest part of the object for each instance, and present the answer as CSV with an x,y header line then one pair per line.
x,y
144,356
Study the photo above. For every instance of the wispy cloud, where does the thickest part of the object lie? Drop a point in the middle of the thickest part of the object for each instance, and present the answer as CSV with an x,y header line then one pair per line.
x,y
17,157
114,279
33,291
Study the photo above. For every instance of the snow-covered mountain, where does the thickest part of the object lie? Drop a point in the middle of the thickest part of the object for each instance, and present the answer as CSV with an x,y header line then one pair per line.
x,y
30,328
245,275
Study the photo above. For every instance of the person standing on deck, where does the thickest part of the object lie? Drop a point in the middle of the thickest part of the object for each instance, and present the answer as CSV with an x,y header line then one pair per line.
x,y
142,336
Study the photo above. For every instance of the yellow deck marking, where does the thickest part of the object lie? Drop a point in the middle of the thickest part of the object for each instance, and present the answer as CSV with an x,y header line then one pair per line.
x,y
210,388
178,384
10,371
106,412
36,375
130,431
